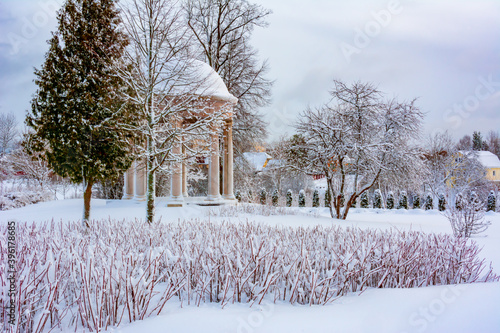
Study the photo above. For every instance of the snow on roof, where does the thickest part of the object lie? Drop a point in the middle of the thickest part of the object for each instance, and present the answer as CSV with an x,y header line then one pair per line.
x,y
196,77
212,84
257,160
488,159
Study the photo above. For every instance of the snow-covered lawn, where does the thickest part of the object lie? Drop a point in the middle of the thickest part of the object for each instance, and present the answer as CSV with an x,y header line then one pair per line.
x,y
457,308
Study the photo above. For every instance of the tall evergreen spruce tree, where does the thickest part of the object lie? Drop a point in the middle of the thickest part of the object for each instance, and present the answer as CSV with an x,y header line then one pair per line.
x,y
77,107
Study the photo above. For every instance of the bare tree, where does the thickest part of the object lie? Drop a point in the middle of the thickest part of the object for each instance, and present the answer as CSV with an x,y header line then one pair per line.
x,y
357,139
8,131
465,143
467,218
165,84
493,143
222,31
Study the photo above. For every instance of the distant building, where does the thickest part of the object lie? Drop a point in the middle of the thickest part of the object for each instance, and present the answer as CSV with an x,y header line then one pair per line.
x,y
491,163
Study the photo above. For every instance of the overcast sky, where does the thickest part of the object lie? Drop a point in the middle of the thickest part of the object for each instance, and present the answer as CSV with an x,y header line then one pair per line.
x,y
445,52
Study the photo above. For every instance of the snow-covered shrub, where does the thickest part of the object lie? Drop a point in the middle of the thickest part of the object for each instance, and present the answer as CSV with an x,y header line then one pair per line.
x,y
342,200
403,201
429,204
315,199
416,201
441,202
289,198
492,202
237,195
250,196
13,200
302,198
263,196
468,220
121,271
390,200
377,199
275,198
328,199
364,200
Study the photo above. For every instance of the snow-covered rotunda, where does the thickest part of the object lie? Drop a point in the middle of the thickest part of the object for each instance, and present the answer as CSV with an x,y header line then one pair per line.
x,y
215,98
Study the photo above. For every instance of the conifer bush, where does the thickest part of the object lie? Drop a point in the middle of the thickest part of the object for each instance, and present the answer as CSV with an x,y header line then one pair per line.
x,y
364,200
328,199
429,204
302,198
416,201
403,201
441,203
377,199
315,200
390,200
289,198
237,195
263,196
492,202
275,198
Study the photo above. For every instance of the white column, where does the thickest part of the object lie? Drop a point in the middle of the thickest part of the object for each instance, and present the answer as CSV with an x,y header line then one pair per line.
x,y
228,162
176,198
128,186
140,181
213,169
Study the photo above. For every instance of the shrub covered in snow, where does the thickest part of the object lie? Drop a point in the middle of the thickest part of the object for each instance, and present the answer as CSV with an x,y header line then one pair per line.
x,y
492,202
275,198
315,199
416,201
403,201
263,196
237,195
20,199
289,198
364,200
390,200
328,199
429,204
468,220
250,196
122,271
377,199
302,198
441,202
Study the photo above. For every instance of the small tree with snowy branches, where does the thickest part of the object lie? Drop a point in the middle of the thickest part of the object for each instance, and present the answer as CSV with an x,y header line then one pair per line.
x,y
289,198
315,199
359,138
469,220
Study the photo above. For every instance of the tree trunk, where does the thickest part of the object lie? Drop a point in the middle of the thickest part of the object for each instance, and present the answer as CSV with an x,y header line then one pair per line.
x,y
151,193
86,204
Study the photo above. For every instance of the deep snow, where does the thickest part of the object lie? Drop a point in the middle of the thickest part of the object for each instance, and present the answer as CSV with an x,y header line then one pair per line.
x,y
463,308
